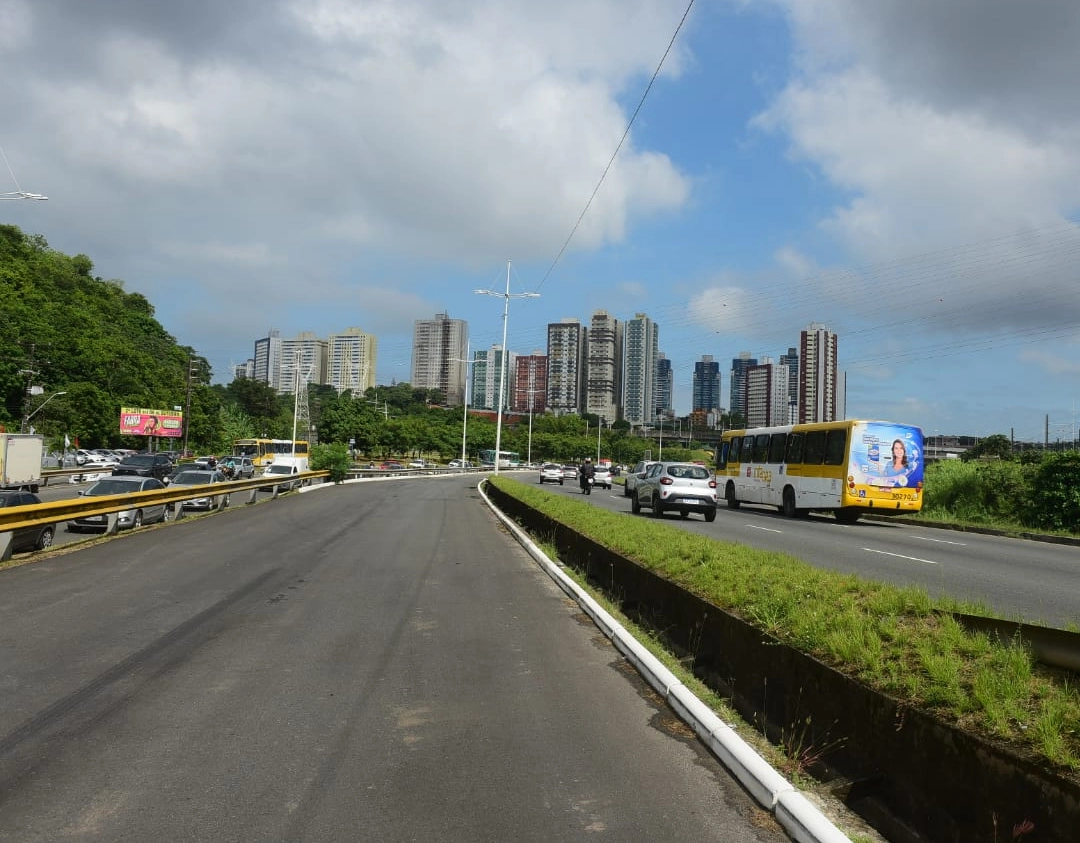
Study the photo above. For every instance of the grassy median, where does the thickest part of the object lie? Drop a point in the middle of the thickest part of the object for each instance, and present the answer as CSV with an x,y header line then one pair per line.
x,y
896,640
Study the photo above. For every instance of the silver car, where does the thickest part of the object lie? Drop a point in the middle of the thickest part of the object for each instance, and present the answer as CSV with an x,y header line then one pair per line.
x,y
682,487
122,485
634,475
206,500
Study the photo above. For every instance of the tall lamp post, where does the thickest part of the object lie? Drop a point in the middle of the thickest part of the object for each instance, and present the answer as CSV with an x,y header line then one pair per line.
x,y
599,427
502,372
465,417
28,416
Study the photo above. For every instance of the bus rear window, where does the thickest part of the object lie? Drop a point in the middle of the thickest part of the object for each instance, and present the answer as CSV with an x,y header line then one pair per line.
x,y
836,447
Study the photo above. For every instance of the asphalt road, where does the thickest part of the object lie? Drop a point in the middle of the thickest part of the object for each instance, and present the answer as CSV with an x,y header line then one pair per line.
x,y
375,661
1018,579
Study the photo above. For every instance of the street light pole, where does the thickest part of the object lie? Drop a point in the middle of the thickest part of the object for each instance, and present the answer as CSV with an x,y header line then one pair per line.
x,y
599,427
28,416
465,417
502,372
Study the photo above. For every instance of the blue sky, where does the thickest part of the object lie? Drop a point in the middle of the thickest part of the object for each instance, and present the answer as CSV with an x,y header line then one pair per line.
x,y
905,172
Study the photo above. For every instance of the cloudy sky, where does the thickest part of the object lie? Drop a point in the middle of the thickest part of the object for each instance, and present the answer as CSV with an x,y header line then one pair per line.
x,y
904,172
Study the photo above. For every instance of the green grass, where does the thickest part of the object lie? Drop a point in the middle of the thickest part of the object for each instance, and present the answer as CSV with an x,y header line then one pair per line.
x,y
896,640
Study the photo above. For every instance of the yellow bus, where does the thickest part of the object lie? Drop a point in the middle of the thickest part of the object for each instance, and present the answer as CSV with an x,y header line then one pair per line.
x,y
848,467
263,451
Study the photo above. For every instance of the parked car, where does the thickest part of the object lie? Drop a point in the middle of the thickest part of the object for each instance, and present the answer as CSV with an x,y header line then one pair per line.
x,y
681,487
391,465
634,475
28,538
122,485
198,477
460,464
416,464
602,476
551,472
144,465
286,471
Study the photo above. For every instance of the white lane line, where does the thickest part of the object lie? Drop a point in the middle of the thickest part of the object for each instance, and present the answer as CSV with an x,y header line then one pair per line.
x,y
940,541
900,556
766,529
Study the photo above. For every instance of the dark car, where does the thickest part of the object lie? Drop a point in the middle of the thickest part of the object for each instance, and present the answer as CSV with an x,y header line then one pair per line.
x,y
157,466
28,538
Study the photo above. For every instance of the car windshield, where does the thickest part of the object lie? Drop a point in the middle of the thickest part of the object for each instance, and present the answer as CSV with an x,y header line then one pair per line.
x,y
278,469
137,460
115,486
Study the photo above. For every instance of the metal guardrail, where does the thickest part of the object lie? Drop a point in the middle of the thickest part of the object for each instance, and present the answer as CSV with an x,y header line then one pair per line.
x,y
55,512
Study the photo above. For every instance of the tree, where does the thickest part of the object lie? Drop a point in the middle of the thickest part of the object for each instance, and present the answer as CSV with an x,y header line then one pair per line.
x,y
998,445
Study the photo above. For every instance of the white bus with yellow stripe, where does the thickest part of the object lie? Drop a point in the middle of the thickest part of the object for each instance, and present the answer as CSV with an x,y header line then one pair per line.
x,y
848,467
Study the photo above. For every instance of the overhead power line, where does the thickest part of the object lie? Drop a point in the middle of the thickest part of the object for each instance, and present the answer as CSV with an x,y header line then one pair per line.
x,y
615,154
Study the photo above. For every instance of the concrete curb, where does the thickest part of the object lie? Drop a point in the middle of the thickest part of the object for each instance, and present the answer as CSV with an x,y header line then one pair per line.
x,y
795,813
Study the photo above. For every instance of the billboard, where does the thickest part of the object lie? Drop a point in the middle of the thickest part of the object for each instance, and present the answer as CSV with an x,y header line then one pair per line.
x,y
139,422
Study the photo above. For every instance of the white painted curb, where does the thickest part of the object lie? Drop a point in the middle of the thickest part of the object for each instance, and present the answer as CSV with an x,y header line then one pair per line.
x,y
799,817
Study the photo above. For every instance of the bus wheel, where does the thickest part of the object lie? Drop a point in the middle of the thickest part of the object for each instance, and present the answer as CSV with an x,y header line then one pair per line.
x,y
729,496
847,516
789,502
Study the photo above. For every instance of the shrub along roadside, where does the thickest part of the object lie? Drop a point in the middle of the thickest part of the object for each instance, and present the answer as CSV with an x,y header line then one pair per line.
x,y
894,639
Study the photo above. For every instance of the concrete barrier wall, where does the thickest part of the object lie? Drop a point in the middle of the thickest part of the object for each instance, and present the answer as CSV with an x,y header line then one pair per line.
x,y
911,776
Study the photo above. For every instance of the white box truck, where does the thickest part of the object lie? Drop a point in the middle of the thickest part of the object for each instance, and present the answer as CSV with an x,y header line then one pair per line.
x,y
20,461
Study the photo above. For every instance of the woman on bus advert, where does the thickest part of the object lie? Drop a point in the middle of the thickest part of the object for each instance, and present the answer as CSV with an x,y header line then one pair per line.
x,y
887,455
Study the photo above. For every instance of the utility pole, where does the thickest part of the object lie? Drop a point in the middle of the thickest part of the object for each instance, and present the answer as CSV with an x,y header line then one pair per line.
x,y
187,401
30,371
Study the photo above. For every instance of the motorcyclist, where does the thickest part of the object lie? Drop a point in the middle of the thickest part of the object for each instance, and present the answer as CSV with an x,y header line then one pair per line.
x,y
585,476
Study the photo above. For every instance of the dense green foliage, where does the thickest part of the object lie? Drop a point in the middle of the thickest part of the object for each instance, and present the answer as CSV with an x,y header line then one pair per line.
x,y
1026,494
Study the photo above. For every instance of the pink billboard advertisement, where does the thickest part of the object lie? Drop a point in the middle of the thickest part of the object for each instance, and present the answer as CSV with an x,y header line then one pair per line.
x,y
139,422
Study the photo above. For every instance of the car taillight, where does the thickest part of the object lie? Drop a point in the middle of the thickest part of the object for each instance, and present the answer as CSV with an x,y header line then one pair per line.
x,y
712,484
666,481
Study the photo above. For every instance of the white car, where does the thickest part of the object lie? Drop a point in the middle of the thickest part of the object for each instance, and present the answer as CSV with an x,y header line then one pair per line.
x,y
551,472
602,476
460,464
682,487
286,471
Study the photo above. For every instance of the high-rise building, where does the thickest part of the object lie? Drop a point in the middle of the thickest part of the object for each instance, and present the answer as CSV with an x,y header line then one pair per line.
x,y
303,357
352,360
565,349
791,360
739,367
604,368
665,386
268,359
245,370
641,354
706,389
487,372
438,357
819,388
530,383
766,394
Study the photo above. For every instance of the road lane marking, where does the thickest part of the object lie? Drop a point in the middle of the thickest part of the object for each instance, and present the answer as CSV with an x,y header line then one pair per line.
x,y
900,556
766,529
940,541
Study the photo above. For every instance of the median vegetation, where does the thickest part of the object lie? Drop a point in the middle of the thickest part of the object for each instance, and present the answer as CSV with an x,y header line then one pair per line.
x,y
899,641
